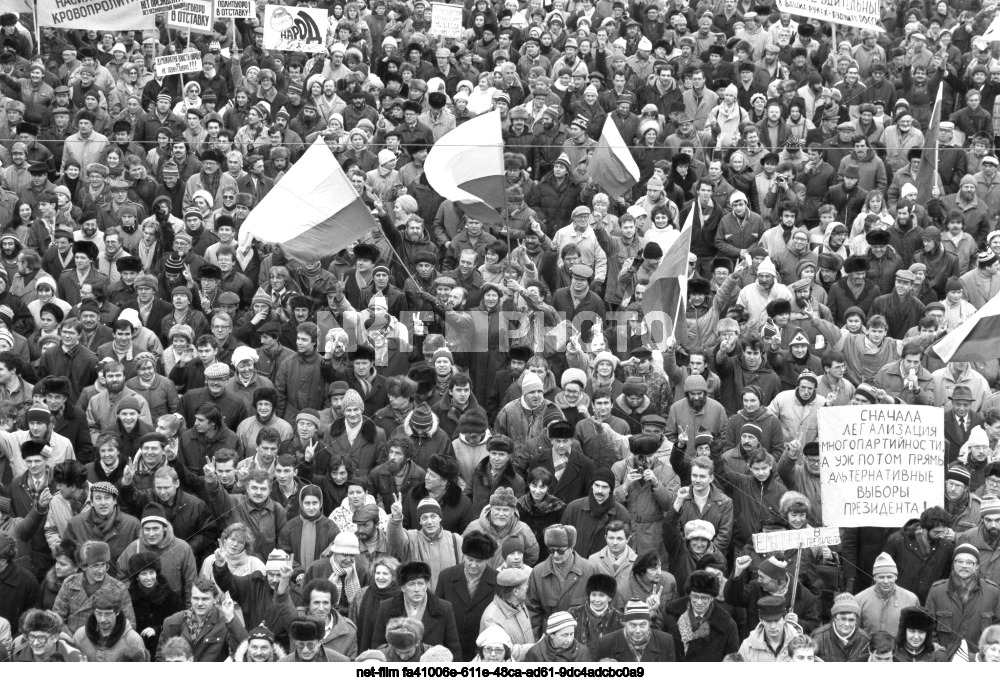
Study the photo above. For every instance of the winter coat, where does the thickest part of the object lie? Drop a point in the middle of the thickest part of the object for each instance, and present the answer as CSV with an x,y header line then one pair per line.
x,y
88,639
841,299
300,384
187,514
720,640
177,563
956,620
590,526
409,545
547,595
369,448
434,441
481,487
265,521
526,428
773,438
554,201
916,572
753,501
467,609
75,606
153,606
832,649
537,520
645,503
455,508
515,528
290,537
718,511
19,593
736,375
882,614
660,648
260,604
216,640
438,621
756,649
743,593
516,622
123,530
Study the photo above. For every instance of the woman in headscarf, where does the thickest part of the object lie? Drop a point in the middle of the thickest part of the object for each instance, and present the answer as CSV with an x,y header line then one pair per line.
x,y
152,598
191,99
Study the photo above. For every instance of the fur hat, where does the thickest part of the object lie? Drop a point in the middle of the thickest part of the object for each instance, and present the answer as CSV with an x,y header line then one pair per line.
x,y
445,466
605,584
93,552
306,629
558,536
793,501
643,445
777,307
561,430
404,632
855,263
916,618
703,582
699,529
503,496
41,620
144,560
411,571
437,654
479,546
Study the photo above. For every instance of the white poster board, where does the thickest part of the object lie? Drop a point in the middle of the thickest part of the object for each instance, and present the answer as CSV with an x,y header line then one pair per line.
x,y
880,465
446,21
296,29
170,64
809,538
193,15
860,13
157,6
234,9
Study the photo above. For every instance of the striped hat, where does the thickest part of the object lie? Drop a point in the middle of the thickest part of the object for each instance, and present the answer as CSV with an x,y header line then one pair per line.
x,y
636,610
560,620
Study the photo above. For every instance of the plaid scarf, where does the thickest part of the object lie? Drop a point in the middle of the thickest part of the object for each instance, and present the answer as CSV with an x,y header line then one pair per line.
x,y
691,628
349,579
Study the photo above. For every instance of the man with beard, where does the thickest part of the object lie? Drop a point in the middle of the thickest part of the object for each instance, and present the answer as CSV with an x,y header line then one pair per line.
x,y
67,420
216,377
978,595
102,408
255,508
755,296
591,514
107,635
373,543
637,641
398,475
259,647
881,604
773,579
695,413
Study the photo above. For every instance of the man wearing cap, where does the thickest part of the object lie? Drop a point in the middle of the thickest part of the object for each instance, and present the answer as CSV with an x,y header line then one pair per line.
x,y
177,560
900,308
103,516
431,544
637,641
416,600
769,639
591,514
986,537
843,639
558,582
103,407
774,578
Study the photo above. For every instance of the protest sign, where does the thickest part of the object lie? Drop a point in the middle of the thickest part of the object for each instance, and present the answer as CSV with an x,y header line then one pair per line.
x,y
880,465
193,15
169,64
446,21
811,537
98,15
297,29
234,9
157,6
860,13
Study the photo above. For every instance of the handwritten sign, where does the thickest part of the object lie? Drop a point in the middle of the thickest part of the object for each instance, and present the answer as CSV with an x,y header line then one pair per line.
x,y
295,29
170,64
880,465
446,21
193,15
234,9
809,538
860,13
157,6
99,15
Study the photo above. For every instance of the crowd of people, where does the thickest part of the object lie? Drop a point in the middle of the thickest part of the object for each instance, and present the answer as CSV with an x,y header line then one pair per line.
x,y
457,440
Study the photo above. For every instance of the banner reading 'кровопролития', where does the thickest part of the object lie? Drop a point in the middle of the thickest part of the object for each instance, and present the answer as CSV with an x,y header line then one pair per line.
x,y
860,13
115,15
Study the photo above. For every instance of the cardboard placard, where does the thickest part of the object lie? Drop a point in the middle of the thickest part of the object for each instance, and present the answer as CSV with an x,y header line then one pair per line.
x,y
98,15
811,537
158,6
193,15
296,29
170,64
234,9
860,13
446,21
880,465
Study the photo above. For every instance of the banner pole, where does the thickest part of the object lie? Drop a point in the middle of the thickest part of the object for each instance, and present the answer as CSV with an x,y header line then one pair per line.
x,y
38,30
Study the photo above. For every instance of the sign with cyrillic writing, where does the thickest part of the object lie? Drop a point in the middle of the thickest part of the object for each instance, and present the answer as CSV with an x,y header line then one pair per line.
x,y
809,538
880,465
98,15
296,29
170,64
234,9
860,13
446,21
157,6
193,15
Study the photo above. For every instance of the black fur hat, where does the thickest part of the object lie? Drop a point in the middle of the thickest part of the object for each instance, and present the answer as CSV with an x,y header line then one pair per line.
x,y
703,582
603,583
479,546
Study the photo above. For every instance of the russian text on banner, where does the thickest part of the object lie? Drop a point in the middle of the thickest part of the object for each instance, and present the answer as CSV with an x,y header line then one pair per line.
x,y
98,15
446,21
170,64
860,13
296,29
880,465
234,9
193,15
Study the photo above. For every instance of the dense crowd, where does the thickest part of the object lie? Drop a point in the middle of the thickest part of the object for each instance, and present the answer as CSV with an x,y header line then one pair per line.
x,y
460,440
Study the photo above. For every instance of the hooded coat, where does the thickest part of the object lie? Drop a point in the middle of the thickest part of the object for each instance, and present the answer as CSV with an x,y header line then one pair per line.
x,y
367,451
177,563
481,487
290,537
110,649
434,441
153,606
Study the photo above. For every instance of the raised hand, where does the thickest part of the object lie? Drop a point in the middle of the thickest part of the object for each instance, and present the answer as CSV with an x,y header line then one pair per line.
x,y
128,475
220,556
742,563
310,452
228,608
45,498
397,506
209,468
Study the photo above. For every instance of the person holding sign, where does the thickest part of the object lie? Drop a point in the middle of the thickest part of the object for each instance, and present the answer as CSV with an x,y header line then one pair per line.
x,y
772,580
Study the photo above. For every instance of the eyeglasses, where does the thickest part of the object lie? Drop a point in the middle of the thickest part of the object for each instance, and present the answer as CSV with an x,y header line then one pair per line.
x,y
965,563
305,645
559,551
494,650
39,638
700,598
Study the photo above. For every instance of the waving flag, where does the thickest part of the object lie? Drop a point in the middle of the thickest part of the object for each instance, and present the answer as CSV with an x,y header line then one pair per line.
x,y
314,210
466,167
974,340
667,288
927,176
612,166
